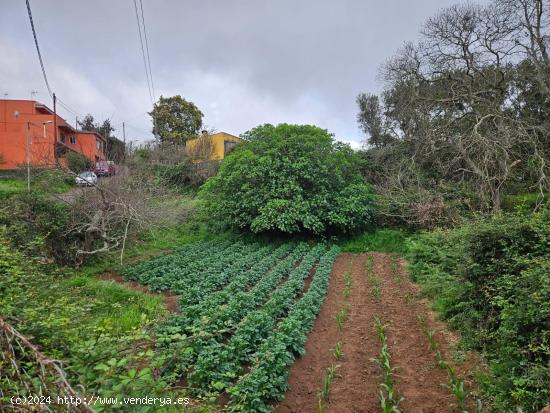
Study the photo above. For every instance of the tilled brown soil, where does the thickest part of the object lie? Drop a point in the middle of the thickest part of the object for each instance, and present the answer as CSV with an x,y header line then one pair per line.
x,y
417,377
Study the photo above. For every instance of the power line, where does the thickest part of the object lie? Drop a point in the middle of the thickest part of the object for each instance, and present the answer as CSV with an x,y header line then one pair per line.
x,y
143,54
147,49
38,49
61,103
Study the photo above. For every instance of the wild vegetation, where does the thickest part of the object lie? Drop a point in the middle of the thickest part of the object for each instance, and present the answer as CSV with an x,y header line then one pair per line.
x,y
490,280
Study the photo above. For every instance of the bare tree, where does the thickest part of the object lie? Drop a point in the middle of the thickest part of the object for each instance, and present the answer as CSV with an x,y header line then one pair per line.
x,y
455,98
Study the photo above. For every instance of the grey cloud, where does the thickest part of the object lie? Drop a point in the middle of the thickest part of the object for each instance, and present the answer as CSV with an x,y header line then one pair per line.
x,y
244,62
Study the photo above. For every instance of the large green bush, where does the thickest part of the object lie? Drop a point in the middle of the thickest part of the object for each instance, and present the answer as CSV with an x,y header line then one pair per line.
x,y
491,280
39,225
290,179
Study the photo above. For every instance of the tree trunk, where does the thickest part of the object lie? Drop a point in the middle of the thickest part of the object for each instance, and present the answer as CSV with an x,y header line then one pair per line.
x,y
495,199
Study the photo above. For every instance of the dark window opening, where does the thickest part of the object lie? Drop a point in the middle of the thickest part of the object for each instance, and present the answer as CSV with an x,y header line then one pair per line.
x,y
228,146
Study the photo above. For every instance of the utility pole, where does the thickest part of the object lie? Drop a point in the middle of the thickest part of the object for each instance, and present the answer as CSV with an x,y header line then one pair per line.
x,y
28,156
124,139
54,128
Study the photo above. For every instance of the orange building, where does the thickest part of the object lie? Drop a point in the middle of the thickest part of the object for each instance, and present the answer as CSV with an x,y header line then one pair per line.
x,y
27,135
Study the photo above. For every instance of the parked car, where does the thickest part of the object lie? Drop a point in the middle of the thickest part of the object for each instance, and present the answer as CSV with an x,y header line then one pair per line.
x,y
105,168
87,178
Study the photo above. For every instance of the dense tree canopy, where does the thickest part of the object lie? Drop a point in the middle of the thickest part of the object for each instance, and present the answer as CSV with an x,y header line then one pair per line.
x,y
176,119
291,178
467,105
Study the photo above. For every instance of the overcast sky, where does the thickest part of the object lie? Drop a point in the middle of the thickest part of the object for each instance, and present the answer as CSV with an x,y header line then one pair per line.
x,y
242,62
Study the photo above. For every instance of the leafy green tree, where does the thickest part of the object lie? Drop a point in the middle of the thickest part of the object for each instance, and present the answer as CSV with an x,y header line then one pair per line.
x,y
291,178
176,119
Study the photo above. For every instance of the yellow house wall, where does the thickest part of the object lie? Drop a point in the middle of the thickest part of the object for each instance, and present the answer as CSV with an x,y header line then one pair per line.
x,y
218,140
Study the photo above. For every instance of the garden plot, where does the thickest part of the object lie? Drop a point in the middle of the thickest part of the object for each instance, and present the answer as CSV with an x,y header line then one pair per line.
x,y
246,311
367,351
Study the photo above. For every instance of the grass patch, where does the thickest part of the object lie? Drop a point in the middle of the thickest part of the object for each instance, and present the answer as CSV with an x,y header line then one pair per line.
x,y
44,182
383,240
11,186
524,202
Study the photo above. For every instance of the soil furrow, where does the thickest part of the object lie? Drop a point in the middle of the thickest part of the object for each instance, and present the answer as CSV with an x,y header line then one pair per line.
x,y
358,375
417,377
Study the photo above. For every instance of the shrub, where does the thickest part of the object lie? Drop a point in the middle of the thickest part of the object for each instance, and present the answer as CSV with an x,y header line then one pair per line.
x,y
290,179
77,162
491,280
41,226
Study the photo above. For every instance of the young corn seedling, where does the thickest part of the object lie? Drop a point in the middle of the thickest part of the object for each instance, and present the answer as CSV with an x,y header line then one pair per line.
x,y
341,317
389,402
348,279
394,268
456,384
347,286
369,265
337,351
376,292
330,374
320,405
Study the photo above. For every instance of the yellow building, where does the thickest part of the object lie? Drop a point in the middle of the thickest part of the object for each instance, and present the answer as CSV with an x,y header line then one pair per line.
x,y
211,147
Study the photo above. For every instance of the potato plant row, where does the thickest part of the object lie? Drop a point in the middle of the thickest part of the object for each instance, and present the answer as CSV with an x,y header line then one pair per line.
x,y
268,376
219,363
236,299
240,282
220,318
188,266
219,274
212,324
151,271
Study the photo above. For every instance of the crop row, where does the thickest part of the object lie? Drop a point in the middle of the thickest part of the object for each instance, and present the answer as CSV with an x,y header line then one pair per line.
x,y
389,401
244,302
267,378
147,271
188,268
184,335
236,291
219,364
218,274
210,324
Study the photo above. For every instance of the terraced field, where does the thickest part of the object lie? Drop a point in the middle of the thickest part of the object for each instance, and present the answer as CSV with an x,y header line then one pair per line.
x,y
245,313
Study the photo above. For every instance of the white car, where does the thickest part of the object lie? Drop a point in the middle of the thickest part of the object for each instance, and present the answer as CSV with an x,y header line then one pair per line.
x,y
86,178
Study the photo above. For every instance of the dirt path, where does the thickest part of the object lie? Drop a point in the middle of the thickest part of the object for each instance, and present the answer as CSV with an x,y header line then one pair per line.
x,y
417,377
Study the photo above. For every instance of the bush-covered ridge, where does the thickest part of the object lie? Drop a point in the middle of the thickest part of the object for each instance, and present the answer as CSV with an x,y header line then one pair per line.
x,y
490,279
